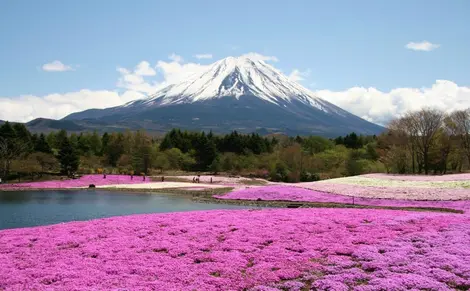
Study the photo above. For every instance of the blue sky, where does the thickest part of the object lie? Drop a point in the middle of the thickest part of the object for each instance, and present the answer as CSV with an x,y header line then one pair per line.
x,y
337,44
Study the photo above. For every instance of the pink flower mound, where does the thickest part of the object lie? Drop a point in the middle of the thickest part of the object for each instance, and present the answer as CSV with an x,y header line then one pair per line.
x,y
290,193
453,177
328,249
83,181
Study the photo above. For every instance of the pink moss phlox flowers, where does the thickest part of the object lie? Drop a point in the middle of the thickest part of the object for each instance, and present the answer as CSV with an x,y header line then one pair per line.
x,y
406,193
296,194
277,249
83,181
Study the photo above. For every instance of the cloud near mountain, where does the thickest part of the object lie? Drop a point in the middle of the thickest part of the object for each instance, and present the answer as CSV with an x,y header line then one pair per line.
x,y
369,103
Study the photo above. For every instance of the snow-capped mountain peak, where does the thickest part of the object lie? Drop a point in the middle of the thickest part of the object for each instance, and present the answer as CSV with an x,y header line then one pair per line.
x,y
235,93
236,77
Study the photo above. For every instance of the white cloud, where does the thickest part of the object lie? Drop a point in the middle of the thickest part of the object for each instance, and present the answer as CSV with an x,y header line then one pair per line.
x,y
135,80
260,57
422,46
56,66
27,107
203,56
381,107
143,80
297,75
144,69
176,58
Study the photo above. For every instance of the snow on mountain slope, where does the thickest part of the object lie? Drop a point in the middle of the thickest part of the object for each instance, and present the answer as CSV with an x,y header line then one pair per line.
x,y
236,77
235,93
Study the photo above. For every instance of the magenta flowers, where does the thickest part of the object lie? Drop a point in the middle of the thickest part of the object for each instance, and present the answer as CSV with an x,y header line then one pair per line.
x,y
282,249
290,193
83,181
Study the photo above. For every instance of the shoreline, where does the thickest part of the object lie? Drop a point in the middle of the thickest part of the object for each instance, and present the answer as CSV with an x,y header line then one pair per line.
x,y
205,196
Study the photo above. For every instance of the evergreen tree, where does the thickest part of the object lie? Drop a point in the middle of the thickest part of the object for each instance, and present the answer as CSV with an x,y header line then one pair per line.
x,y
104,143
34,140
142,152
12,146
352,141
22,133
60,139
51,139
83,144
41,145
206,152
95,144
114,148
216,165
68,158
7,132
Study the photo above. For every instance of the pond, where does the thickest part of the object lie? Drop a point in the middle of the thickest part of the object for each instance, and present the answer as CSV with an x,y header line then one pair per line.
x,y
33,208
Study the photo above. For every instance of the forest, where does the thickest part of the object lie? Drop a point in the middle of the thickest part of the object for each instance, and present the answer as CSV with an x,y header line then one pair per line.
x,y
427,141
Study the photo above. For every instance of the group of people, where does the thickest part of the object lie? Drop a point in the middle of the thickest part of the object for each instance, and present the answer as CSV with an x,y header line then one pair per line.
x,y
198,179
132,177
195,179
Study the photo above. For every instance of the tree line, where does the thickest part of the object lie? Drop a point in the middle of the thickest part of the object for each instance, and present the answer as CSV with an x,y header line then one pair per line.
x,y
427,141
421,142
276,157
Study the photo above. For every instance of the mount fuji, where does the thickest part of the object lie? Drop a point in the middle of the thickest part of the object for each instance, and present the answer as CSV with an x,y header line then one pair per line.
x,y
235,93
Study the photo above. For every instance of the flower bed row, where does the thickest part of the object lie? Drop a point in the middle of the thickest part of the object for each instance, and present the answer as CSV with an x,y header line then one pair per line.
x,y
389,192
452,177
162,185
83,181
290,193
288,249
383,182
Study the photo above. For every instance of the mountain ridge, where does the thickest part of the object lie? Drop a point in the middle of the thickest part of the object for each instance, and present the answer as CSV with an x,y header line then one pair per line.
x,y
232,94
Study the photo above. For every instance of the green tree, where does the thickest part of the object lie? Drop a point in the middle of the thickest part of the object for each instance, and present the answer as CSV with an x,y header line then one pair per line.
x,y
60,138
23,134
42,145
68,157
12,146
372,152
316,144
206,152
95,144
51,139
142,152
114,148
105,143
83,144
216,166
161,161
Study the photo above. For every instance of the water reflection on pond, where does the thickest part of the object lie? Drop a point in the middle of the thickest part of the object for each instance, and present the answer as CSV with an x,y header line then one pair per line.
x,y
32,208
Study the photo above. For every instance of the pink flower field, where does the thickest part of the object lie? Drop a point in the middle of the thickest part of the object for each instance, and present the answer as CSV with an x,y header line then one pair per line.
x,y
452,177
281,249
404,193
296,194
83,181
451,187
259,249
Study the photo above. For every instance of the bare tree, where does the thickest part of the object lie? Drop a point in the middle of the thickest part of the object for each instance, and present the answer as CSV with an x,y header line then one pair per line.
x,y
424,126
459,124
404,130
